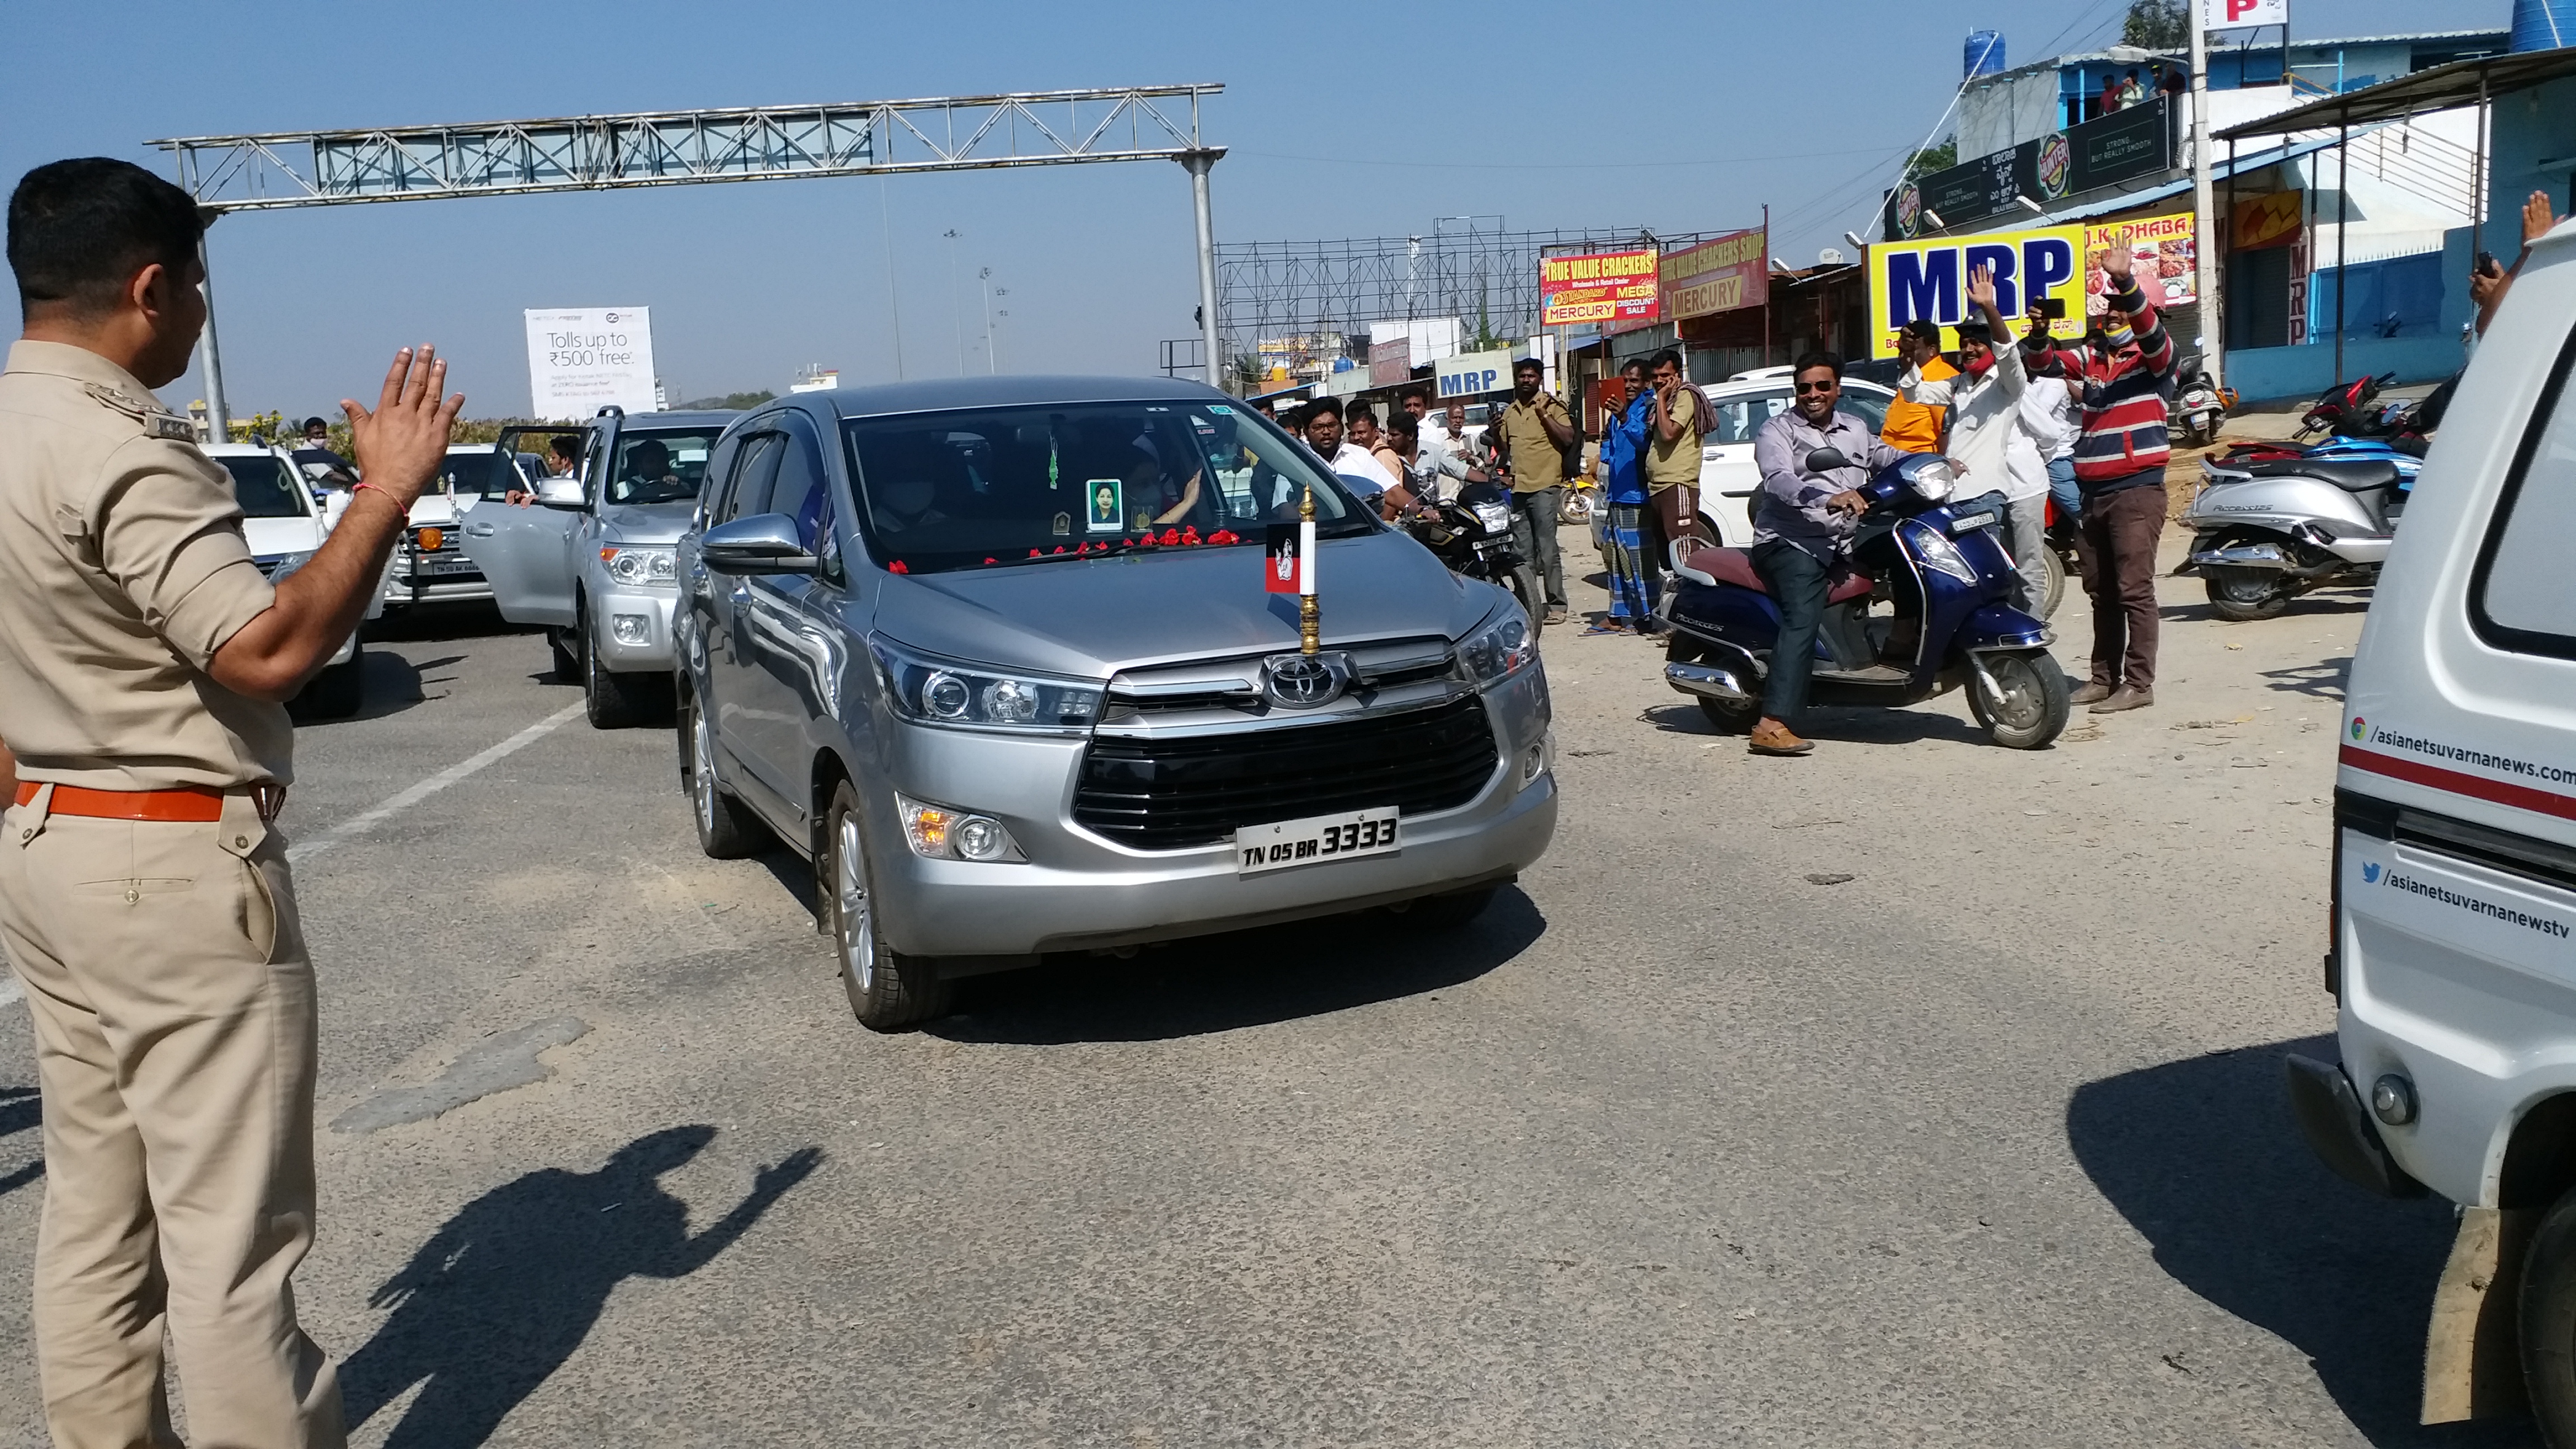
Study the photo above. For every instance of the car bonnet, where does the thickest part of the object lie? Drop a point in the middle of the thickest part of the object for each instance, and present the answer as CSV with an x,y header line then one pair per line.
x,y
1090,618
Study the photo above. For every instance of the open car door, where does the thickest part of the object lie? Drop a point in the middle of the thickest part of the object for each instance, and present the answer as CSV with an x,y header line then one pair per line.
x,y
525,550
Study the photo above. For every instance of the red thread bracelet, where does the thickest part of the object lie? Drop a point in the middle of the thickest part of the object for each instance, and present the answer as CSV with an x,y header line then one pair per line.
x,y
388,495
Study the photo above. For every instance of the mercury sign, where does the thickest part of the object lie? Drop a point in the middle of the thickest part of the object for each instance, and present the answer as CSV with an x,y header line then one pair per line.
x,y
583,359
1470,374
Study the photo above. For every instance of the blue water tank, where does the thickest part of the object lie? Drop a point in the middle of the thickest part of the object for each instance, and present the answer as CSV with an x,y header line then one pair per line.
x,y
2543,24
1985,52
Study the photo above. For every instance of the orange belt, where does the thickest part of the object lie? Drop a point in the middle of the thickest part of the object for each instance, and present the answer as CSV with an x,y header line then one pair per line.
x,y
197,804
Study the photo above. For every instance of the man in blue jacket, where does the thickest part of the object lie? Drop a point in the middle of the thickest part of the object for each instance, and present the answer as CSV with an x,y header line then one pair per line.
x,y
1624,430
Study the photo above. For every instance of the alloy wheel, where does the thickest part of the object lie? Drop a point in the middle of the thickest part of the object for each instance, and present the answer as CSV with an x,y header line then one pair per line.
x,y
850,891
702,768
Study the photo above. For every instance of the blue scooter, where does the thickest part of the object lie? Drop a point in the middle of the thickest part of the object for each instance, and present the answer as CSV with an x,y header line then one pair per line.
x,y
1945,571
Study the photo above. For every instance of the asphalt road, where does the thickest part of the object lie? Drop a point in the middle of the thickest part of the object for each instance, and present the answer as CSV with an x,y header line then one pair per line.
x,y
1984,1145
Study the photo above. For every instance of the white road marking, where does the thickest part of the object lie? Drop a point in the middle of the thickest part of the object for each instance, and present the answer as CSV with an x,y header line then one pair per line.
x,y
365,821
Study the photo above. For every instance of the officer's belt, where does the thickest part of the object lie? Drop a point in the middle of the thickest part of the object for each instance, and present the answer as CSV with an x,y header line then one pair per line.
x,y
186,804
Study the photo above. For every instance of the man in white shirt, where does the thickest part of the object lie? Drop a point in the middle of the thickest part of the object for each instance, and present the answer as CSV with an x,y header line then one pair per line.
x,y
1434,434
1364,475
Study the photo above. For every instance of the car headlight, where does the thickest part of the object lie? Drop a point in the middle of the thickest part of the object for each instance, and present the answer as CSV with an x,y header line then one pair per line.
x,y
931,690
629,564
1496,517
1937,551
939,833
1500,649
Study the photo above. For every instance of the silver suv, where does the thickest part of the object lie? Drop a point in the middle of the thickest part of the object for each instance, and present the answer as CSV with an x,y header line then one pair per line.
x,y
1004,658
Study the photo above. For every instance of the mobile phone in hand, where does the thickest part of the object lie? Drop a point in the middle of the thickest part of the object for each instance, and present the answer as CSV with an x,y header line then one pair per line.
x,y
2485,265
2052,308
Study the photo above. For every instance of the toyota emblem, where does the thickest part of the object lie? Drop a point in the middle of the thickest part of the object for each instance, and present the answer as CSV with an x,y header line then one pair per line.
x,y
1304,681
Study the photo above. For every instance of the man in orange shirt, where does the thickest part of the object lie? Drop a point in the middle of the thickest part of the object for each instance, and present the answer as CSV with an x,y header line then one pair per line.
x,y
1922,403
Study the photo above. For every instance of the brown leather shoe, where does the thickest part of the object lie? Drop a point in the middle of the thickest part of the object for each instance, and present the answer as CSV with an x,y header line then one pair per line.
x,y
2089,694
2124,698
1770,737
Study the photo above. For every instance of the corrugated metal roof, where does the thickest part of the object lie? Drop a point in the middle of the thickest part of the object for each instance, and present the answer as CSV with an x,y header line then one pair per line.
x,y
2441,88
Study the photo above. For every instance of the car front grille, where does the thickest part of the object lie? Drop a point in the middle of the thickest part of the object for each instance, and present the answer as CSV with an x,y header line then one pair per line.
x,y
1173,794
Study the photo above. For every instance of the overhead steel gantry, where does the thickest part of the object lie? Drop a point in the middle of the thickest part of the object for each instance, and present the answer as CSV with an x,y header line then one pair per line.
x,y
674,148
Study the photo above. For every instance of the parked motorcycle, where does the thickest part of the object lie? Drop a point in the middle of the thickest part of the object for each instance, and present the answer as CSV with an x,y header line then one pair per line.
x,y
1471,534
2265,532
2199,405
2347,408
1948,577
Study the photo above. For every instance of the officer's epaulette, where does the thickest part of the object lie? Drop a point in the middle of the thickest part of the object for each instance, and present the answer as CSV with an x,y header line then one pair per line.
x,y
143,410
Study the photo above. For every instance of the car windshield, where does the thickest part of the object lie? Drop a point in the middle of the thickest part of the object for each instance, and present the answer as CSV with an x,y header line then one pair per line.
x,y
477,474
660,466
266,487
954,490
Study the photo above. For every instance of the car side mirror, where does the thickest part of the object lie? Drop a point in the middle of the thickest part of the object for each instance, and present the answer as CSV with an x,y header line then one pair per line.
x,y
1825,460
561,493
765,543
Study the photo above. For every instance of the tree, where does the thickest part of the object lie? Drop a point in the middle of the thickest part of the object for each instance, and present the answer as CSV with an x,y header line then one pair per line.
x,y
2156,25
732,401
1939,157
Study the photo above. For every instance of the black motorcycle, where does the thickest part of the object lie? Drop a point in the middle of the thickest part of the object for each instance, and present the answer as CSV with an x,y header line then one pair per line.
x,y
1471,535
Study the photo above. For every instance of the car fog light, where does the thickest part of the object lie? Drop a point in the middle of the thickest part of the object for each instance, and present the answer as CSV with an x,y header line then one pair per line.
x,y
939,833
1534,762
2392,1100
630,628
980,838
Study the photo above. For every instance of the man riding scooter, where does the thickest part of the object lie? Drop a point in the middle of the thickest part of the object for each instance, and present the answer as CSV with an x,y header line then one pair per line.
x,y
1802,524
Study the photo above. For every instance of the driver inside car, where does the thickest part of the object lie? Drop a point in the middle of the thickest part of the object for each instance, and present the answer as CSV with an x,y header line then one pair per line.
x,y
649,476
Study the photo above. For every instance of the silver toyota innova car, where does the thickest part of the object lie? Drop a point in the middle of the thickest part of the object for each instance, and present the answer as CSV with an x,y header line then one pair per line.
x,y
1008,659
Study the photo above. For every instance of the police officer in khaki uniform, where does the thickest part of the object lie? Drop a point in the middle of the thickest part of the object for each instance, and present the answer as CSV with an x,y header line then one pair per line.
x,y
144,895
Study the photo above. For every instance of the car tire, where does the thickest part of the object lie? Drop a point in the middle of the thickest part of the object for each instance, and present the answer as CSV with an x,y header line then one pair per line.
x,y
727,830
338,691
1444,913
2547,1313
613,701
888,991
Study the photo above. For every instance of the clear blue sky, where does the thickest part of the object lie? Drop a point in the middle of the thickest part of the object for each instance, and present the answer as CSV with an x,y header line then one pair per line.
x,y
1362,121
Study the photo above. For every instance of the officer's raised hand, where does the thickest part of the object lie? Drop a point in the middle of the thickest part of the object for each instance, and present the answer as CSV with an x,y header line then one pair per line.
x,y
399,446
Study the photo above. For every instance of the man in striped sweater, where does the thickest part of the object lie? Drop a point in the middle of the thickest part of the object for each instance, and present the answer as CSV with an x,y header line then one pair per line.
x,y
2120,460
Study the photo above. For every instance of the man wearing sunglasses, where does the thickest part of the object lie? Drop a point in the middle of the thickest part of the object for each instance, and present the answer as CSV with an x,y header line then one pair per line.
x,y
1802,523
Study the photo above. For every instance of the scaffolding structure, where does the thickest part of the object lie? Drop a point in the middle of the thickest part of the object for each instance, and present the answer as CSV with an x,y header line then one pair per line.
x,y
293,169
1294,302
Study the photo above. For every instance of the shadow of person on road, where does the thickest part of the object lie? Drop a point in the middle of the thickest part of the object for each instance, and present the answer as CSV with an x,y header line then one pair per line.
x,y
1243,978
503,1294
2202,1158
20,1110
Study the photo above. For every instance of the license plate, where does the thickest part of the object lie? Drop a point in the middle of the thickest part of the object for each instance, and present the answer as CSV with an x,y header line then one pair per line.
x,y
1288,843
434,564
1973,520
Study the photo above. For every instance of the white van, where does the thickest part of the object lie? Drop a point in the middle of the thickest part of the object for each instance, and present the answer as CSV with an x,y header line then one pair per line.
x,y
284,523
2453,954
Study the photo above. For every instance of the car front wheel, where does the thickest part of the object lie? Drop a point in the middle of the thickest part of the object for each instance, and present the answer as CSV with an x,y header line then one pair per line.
x,y
888,991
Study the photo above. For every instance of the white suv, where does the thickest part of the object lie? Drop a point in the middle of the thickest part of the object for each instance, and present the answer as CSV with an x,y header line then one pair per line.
x,y
2453,954
284,524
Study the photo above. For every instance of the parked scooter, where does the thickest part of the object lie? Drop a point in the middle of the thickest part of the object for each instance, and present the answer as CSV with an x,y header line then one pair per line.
x,y
1948,577
1471,535
2265,532
2199,405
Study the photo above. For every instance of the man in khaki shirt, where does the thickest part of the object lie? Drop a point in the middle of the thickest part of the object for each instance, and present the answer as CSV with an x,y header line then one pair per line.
x,y
145,900
1671,463
1535,428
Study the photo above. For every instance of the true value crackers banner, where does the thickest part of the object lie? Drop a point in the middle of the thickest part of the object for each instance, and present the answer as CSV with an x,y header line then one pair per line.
x,y
1718,275
1928,279
1597,287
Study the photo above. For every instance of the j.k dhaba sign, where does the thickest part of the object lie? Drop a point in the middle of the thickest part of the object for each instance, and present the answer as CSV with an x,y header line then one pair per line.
x,y
1928,279
1597,287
